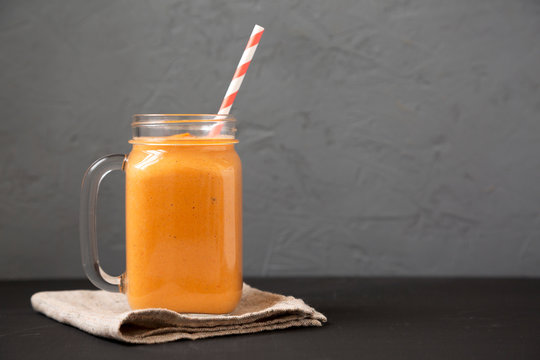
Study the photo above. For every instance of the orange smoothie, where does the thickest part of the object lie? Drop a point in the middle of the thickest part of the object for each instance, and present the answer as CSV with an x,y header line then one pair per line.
x,y
183,224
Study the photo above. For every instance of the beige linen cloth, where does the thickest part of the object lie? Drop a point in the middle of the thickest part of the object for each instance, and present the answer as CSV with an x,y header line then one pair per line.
x,y
108,315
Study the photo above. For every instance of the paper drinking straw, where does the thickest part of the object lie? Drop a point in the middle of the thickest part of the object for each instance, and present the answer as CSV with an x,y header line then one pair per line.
x,y
238,76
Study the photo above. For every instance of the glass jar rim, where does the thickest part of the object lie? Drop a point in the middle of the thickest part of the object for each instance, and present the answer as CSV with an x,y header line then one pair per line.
x,y
184,128
146,119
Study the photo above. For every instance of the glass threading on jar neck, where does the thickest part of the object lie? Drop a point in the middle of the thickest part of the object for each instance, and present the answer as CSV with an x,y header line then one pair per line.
x,y
181,129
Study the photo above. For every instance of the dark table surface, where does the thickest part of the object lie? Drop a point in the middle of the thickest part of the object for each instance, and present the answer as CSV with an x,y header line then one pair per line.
x,y
368,318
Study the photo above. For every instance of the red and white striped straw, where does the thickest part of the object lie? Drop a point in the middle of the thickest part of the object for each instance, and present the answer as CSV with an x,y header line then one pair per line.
x,y
239,75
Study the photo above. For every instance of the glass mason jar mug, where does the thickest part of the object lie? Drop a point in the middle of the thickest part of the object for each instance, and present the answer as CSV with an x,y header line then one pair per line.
x,y
183,215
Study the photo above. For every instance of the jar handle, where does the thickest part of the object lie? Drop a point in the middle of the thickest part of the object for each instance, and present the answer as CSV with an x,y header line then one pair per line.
x,y
87,222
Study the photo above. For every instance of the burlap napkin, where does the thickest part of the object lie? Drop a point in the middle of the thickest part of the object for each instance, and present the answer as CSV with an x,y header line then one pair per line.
x,y
108,315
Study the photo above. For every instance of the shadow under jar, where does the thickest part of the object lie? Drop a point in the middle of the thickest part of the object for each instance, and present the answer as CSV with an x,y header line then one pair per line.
x,y
183,215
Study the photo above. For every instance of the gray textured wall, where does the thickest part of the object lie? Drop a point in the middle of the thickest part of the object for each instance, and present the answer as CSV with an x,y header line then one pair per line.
x,y
378,137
